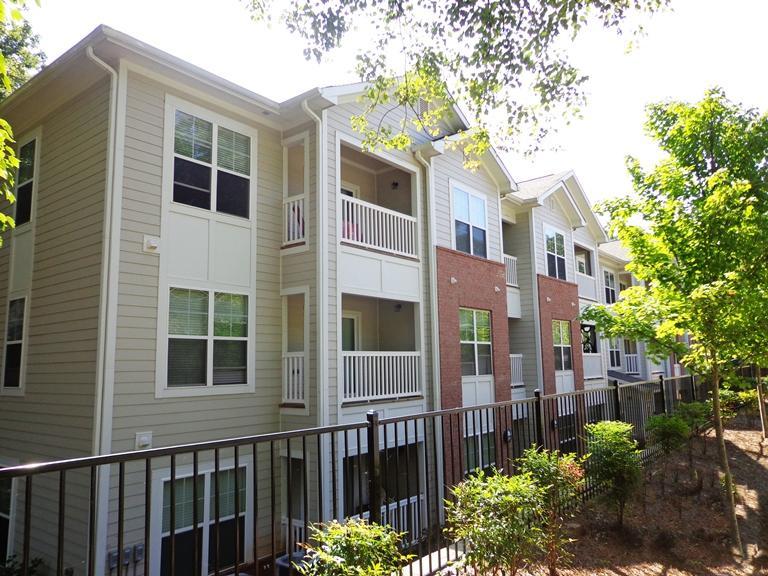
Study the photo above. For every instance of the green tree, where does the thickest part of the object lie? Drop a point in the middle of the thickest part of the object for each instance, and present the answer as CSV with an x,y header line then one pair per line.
x,y
10,72
20,49
505,62
670,432
697,231
614,462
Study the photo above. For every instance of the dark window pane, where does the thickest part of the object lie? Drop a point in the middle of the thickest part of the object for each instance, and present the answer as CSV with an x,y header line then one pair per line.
x,y
468,360
567,363
558,358
561,267
462,237
232,194
226,544
551,265
184,552
478,242
23,204
4,533
12,365
187,362
484,359
26,162
230,362
191,183
15,320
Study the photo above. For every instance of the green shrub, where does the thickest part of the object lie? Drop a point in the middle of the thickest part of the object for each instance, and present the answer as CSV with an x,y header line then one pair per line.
x,y
562,477
614,462
695,414
729,404
670,431
498,517
354,548
748,400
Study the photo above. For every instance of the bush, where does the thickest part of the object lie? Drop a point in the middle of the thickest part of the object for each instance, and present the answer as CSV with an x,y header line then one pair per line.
x,y
355,548
729,404
498,517
562,477
670,431
614,462
695,414
748,400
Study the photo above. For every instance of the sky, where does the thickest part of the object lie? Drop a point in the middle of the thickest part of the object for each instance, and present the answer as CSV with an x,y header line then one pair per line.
x,y
696,45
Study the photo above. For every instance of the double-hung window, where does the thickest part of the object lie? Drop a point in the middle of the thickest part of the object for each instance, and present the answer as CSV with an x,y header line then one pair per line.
x,y
211,166
14,344
475,336
561,338
614,353
610,287
555,247
469,223
25,178
207,338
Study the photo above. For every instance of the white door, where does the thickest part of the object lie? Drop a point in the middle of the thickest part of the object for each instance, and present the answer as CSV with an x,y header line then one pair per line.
x,y
563,351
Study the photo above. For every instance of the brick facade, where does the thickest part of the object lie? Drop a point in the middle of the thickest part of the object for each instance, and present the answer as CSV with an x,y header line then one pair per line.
x,y
465,281
559,300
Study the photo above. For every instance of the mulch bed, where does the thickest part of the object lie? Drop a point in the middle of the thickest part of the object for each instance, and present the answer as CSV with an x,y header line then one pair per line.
x,y
684,530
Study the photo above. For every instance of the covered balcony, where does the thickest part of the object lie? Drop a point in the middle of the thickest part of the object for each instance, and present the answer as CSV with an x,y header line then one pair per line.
x,y
380,360
585,272
377,205
295,350
509,232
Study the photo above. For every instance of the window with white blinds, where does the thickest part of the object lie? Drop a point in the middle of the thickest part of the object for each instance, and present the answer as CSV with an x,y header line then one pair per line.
x,y
211,166
207,338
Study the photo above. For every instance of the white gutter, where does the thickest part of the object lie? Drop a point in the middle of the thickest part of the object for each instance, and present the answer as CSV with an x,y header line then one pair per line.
x,y
322,268
102,426
428,185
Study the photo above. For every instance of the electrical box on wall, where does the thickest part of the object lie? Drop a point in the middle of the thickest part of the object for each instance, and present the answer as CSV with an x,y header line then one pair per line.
x,y
143,440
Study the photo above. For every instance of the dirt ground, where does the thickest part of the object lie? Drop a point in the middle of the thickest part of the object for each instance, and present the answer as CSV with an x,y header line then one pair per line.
x,y
683,531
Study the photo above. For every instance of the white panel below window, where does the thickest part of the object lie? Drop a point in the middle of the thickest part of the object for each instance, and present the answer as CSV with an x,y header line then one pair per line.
x,y
380,276
21,275
232,254
187,240
513,302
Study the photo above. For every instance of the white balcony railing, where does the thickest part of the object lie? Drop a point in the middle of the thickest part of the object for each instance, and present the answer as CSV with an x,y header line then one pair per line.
x,y
587,286
593,366
293,220
297,533
510,263
516,365
381,375
403,516
372,226
293,377
631,364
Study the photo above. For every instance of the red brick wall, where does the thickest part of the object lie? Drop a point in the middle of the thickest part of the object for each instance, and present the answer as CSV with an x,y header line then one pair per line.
x,y
559,300
477,280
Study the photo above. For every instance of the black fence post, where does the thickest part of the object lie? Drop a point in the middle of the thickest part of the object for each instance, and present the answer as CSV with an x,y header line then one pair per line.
x,y
374,467
539,418
617,401
663,392
693,387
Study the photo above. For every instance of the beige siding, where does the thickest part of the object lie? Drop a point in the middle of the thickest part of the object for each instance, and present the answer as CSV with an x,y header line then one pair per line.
x,y
54,419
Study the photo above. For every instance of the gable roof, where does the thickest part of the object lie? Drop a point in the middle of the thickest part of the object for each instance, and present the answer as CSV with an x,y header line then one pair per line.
x,y
616,251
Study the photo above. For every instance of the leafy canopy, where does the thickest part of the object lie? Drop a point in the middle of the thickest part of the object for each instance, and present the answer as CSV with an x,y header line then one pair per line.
x,y
507,63
697,231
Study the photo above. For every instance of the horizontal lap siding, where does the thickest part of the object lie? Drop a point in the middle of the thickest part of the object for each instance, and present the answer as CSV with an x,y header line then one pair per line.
x,y
195,419
54,419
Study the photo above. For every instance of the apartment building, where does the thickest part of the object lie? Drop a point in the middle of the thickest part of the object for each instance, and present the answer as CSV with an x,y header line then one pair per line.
x,y
193,261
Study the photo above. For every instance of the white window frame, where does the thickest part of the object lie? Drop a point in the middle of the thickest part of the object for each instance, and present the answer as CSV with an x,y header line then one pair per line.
x,y
206,469
357,317
210,338
217,122
475,341
302,137
606,287
173,103
454,185
614,349
588,262
28,225
17,390
570,346
549,230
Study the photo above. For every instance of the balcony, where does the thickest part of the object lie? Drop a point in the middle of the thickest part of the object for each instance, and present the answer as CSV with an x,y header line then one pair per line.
x,y
294,380
293,221
376,376
631,364
587,286
516,365
593,366
373,227
510,264
513,290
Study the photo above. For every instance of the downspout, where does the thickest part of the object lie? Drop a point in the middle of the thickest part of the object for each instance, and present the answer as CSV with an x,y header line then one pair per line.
x,y
428,185
104,390
322,269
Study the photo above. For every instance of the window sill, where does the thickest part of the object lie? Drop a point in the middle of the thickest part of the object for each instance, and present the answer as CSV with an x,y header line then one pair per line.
x,y
192,391
12,391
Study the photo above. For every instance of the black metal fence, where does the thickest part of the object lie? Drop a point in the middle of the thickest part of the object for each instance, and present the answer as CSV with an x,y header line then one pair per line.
x,y
241,505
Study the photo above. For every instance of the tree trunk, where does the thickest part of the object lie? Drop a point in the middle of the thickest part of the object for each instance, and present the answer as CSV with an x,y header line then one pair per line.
x,y
726,469
761,404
